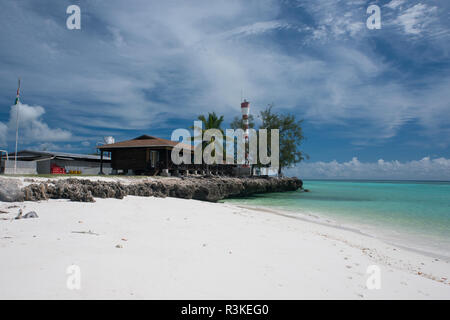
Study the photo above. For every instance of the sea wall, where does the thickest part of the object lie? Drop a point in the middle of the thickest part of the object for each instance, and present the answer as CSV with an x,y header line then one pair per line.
x,y
199,188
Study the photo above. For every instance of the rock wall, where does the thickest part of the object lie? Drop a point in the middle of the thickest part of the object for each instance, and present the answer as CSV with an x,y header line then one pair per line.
x,y
201,188
10,190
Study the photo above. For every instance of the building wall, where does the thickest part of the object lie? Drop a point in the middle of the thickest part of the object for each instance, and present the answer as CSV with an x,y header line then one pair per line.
x,y
23,167
138,159
165,155
43,167
86,167
130,159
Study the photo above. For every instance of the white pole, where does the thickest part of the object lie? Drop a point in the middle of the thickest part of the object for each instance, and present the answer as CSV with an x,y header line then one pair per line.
x,y
17,127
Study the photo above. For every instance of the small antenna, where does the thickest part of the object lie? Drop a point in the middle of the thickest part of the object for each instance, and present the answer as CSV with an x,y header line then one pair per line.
x,y
242,94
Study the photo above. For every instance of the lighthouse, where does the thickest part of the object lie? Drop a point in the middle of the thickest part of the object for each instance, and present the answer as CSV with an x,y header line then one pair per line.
x,y
245,109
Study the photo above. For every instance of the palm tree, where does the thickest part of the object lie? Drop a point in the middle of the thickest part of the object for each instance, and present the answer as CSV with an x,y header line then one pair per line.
x,y
212,121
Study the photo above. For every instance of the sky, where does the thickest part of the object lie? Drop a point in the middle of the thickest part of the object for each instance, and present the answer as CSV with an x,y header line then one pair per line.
x,y
375,102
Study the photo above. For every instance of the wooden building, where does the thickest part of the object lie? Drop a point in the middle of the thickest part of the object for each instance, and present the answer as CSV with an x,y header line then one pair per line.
x,y
152,156
142,155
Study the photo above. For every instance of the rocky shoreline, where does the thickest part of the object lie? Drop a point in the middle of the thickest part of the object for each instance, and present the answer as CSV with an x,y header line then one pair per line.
x,y
200,188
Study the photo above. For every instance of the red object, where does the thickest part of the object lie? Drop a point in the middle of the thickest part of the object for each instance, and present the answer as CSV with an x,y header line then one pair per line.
x,y
54,169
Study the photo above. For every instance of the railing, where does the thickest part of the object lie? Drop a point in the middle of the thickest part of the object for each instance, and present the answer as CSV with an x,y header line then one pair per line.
x,y
226,169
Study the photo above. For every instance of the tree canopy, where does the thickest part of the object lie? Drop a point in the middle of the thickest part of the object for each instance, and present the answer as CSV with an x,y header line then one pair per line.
x,y
290,132
211,121
291,136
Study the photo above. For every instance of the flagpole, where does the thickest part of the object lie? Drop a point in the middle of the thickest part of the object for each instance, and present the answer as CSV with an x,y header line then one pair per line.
x,y
17,126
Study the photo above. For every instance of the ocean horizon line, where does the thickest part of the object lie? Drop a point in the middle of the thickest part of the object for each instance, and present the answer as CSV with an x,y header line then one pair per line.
x,y
374,180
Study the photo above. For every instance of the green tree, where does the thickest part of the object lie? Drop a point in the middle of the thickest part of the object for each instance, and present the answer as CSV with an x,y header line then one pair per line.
x,y
291,136
212,121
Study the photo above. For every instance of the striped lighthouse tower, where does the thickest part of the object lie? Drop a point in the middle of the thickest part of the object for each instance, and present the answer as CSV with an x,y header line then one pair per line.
x,y
245,109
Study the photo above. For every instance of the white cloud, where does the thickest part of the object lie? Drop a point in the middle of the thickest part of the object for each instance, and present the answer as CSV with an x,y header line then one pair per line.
x,y
415,19
46,146
255,28
395,3
32,128
336,20
85,143
424,169
137,68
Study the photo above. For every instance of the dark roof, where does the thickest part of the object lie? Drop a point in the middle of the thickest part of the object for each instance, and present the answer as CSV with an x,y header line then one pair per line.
x,y
143,141
33,155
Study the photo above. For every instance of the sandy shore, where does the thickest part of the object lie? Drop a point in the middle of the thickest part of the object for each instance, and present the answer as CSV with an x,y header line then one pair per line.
x,y
154,248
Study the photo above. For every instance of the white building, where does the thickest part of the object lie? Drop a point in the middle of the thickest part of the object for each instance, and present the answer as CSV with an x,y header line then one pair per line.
x,y
48,162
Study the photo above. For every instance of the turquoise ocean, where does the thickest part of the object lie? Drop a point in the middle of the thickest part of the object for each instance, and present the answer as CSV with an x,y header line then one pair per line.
x,y
415,215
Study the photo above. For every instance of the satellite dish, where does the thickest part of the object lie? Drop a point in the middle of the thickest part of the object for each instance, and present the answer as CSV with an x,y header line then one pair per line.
x,y
109,140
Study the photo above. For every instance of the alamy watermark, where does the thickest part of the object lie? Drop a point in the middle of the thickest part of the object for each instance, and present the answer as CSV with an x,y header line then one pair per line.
x,y
73,22
74,279
374,20
239,147
374,280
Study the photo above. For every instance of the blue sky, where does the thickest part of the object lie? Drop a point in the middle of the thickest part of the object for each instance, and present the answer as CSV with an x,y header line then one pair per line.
x,y
152,66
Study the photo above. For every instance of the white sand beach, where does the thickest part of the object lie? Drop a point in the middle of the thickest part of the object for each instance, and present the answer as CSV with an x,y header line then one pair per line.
x,y
154,248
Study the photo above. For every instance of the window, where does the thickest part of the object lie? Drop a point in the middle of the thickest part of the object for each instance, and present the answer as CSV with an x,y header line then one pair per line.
x,y
154,158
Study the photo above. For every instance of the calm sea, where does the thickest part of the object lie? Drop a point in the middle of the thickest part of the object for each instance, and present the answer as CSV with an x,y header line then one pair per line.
x,y
410,214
